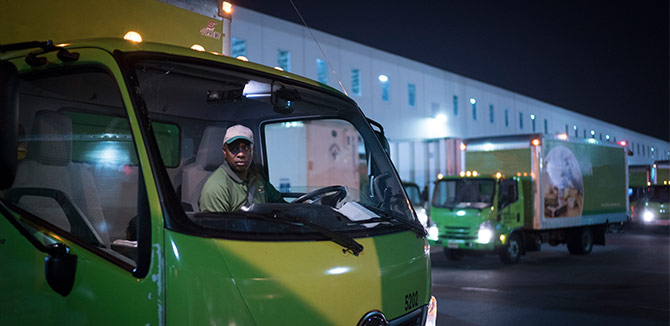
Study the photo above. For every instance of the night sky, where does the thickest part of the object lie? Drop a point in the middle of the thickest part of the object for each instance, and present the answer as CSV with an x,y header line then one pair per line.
x,y
605,59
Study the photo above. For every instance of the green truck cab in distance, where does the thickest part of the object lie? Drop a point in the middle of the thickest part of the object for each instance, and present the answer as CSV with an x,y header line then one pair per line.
x,y
105,147
518,192
478,213
652,207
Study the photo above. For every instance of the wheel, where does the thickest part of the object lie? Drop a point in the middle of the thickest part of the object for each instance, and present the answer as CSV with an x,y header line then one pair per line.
x,y
453,254
511,253
330,195
580,241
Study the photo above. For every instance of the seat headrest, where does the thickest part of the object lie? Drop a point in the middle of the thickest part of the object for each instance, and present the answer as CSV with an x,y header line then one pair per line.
x,y
210,156
51,140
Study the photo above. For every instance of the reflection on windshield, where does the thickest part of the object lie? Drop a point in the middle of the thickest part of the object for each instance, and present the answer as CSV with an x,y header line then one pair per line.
x,y
304,141
659,194
463,193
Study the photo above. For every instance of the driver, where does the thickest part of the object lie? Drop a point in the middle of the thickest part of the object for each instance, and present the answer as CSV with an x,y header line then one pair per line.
x,y
236,183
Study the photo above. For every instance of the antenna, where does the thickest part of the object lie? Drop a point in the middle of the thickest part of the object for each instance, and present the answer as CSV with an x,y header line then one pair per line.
x,y
319,45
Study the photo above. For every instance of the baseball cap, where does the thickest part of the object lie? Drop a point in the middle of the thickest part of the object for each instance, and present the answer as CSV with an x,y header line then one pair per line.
x,y
238,132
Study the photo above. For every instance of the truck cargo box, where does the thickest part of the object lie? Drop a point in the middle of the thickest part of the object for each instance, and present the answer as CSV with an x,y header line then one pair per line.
x,y
575,182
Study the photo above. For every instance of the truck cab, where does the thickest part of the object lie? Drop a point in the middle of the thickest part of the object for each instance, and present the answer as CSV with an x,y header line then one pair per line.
x,y
477,213
105,147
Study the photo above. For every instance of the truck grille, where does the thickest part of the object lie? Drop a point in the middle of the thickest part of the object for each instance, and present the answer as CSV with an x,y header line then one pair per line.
x,y
457,232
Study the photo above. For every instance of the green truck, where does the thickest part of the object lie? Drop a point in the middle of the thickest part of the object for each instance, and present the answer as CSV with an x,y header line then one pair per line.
x,y
518,192
107,142
652,205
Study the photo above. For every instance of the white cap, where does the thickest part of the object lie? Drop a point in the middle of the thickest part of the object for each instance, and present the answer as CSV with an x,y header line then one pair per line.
x,y
238,132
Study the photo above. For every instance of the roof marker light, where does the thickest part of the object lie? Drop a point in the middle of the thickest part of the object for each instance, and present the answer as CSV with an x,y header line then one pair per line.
x,y
279,68
242,58
133,37
227,7
498,175
468,173
383,78
473,101
623,143
197,47
475,173
563,136
462,174
535,142
440,176
463,146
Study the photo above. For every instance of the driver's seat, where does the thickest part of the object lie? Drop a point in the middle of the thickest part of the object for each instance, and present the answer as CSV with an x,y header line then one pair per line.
x,y
208,158
48,173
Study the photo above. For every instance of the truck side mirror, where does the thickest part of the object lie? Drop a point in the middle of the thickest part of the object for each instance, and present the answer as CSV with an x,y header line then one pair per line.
x,y
9,122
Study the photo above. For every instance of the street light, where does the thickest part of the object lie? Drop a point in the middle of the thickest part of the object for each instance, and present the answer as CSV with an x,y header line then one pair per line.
x,y
225,12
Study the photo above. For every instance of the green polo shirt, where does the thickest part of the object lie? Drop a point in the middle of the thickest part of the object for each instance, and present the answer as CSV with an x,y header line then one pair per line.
x,y
224,191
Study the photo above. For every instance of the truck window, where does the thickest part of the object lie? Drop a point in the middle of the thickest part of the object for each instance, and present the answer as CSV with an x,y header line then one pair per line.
x,y
303,156
507,193
305,141
78,173
454,193
414,194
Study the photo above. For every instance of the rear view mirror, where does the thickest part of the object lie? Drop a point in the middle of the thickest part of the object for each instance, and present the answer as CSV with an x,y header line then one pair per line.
x,y
9,122
283,99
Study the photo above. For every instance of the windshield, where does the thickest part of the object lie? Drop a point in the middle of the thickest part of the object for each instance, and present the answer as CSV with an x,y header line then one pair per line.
x,y
659,194
461,193
300,156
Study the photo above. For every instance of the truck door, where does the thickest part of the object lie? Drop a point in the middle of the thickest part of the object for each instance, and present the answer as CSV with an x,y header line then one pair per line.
x,y
509,205
76,192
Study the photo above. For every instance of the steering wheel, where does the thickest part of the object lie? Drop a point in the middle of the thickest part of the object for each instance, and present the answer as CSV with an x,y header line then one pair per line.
x,y
329,196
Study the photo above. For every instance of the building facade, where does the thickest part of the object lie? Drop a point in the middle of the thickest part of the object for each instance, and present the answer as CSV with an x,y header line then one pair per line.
x,y
424,110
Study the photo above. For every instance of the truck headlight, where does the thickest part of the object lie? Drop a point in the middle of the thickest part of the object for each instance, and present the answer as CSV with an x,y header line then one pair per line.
x,y
431,316
648,216
433,233
485,233
423,217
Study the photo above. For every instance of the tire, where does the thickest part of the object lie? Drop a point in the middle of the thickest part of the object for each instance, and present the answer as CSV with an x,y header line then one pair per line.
x,y
580,241
453,254
511,252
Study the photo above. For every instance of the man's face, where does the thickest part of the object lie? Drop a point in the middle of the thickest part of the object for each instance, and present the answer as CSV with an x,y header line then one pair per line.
x,y
238,155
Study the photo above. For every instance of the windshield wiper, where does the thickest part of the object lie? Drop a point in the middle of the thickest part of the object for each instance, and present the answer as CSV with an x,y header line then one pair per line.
x,y
277,216
386,217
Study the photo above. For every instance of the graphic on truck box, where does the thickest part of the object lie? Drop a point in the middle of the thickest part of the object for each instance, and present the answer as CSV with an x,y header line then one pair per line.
x,y
563,184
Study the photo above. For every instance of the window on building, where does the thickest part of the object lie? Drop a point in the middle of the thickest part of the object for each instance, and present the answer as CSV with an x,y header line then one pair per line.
x,y
520,120
575,128
474,108
356,82
284,59
321,71
584,133
455,101
546,127
384,80
434,109
506,117
411,95
491,113
566,130
238,47
532,119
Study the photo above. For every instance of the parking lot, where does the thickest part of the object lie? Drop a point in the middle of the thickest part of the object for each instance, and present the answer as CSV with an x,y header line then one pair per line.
x,y
626,282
